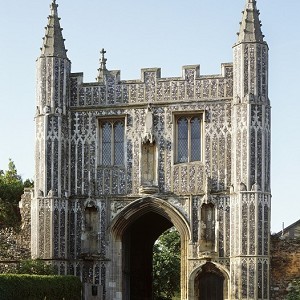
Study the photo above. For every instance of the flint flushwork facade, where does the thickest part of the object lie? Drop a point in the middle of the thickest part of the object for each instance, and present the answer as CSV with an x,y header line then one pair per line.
x,y
191,152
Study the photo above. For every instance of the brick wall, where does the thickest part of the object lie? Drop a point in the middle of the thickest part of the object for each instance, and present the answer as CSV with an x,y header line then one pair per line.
x,y
285,265
15,246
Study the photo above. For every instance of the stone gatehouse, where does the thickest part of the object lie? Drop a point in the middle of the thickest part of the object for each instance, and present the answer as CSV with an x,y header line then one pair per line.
x,y
117,162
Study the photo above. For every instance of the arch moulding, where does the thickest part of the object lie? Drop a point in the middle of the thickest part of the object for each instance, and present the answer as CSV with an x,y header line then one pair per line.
x,y
132,212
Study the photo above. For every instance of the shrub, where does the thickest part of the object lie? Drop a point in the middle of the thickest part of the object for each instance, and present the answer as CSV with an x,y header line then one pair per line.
x,y
35,267
39,287
294,290
166,265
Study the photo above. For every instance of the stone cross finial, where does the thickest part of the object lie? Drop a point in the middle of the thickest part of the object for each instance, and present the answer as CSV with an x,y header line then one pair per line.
x,y
102,52
102,70
103,59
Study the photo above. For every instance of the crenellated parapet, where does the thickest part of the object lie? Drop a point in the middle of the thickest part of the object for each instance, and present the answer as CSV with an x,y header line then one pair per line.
x,y
152,88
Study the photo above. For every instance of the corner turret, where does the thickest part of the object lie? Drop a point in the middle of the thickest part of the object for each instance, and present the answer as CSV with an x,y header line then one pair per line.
x,y
52,133
251,146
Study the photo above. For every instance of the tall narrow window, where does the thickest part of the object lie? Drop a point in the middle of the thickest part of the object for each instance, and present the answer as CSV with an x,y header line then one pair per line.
x,y
112,142
188,139
119,143
182,143
106,143
195,139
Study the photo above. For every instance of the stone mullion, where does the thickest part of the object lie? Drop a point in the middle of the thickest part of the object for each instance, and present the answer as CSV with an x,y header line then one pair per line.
x,y
44,186
52,164
225,160
255,175
226,228
69,149
51,236
81,170
65,232
82,167
234,149
47,82
59,207
226,154
256,205
248,227
252,71
199,229
64,91
40,180
58,79
75,167
218,160
41,227
263,150
248,149
239,226
59,157
76,254
268,140
52,85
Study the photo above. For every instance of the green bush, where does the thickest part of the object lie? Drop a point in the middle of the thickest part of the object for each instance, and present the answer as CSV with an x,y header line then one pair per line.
x,y
35,267
39,287
166,265
11,190
294,290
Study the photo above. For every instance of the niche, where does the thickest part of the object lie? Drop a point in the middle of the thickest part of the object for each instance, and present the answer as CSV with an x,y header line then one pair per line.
x,y
148,172
90,230
207,232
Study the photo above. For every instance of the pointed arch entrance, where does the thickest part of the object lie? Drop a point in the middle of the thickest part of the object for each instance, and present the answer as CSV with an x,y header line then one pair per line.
x,y
134,231
209,282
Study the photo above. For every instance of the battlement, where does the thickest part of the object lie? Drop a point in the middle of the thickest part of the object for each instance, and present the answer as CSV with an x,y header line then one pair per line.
x,y
151,87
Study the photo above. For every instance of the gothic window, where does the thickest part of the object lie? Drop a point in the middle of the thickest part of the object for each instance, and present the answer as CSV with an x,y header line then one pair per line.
x,y
188,138
112,142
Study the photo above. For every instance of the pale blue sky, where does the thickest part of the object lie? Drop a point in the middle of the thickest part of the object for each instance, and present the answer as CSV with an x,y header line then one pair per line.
x,y
153,33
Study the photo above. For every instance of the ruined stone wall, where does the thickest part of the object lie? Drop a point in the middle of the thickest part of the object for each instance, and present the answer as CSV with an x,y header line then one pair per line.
x,y
15,245
285,265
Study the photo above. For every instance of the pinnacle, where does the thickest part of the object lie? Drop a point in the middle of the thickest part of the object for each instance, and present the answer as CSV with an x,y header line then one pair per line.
x,y
53,41
250,27
102,68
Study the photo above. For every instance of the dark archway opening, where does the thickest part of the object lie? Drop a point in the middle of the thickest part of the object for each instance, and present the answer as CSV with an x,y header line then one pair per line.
x,y
138,240
209,283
